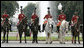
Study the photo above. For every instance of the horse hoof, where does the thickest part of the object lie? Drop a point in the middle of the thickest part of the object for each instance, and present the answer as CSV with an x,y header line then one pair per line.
x,y
20,42
63,43
60,42
33,42
6,42
3,41
37,42
79,43
25,42
51,42
74,43
46,42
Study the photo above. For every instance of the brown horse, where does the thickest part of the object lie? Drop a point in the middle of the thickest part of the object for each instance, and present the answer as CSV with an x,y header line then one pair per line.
x,y
76,31
22,27
5,28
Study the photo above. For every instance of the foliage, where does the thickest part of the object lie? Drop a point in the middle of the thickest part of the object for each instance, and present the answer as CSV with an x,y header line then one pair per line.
x,y
28,10
70,7
9,6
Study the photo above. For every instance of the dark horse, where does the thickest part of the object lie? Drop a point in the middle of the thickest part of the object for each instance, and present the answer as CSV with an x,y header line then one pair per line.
x,y
5,28
76,32
34,28
22,27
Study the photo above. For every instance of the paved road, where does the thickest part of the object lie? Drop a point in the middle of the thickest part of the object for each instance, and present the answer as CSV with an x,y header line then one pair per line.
x,y
40,44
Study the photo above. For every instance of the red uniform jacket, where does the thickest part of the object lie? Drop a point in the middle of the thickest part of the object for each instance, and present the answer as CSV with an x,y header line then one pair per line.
x,y
47,16
20,17
61,17
74,18
4,16
34,16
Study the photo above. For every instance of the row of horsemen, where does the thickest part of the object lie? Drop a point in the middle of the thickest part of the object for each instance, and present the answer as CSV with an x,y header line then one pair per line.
x,y
48,21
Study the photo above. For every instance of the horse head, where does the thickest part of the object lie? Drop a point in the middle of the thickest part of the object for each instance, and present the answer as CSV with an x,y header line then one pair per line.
x,y
65,25
36,21
50,22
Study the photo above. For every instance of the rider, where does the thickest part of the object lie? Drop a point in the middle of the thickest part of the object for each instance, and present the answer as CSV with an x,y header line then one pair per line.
x,y
74,21
4,16
34,16
46,18
20,16
61,17
75,18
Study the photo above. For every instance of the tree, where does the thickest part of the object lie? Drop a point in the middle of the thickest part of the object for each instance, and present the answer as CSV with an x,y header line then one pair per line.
x,y
70,7
28,10
9,6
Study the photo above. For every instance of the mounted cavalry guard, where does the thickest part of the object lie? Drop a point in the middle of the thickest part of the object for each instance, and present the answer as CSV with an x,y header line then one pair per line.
x,y
22,25
20,17
61,17
34,26
5,25
46,19
47,26
73,22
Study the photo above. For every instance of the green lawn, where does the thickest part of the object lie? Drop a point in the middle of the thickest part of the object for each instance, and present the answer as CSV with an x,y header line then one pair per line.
x,y
40,38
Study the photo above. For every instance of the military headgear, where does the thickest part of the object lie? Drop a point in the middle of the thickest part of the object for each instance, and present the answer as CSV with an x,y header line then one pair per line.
x,y
48,9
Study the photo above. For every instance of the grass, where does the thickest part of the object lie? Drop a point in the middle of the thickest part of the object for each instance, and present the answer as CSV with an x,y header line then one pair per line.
x,y
40,38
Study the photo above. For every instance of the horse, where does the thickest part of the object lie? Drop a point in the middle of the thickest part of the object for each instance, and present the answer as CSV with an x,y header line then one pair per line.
x,y
48,30
63,29
75,29
35,28
22,27
81,29
5,28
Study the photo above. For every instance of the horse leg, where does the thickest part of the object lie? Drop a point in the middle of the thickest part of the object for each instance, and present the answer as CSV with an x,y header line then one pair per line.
x,y
75,39
60,37
78,39
36,39
50,39
63,39
25,37
7,36
46,38
4,33
72,39
33,38
20,35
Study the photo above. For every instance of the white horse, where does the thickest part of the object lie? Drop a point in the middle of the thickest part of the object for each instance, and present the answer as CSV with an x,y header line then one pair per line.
x,y
63,29
48,30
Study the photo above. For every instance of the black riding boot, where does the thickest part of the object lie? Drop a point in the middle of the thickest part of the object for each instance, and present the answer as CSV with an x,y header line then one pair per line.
x,y
10,28
43,27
